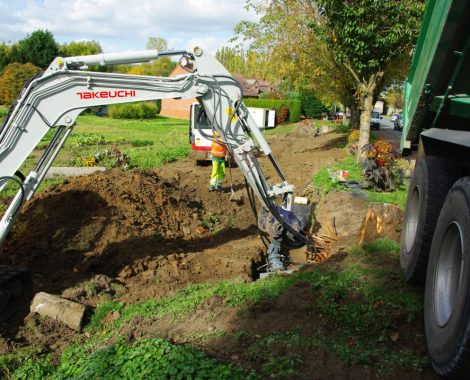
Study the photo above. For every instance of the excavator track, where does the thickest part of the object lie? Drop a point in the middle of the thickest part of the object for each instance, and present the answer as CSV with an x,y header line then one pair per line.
x,y
14,283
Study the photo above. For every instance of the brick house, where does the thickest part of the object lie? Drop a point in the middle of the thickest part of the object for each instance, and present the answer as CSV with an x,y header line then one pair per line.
x,y
179,108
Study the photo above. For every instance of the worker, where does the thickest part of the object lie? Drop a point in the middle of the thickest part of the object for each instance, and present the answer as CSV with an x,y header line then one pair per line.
x,y
218,152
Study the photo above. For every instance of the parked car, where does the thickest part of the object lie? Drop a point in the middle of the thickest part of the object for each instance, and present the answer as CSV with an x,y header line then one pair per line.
x,y
375,120
398,123
394,117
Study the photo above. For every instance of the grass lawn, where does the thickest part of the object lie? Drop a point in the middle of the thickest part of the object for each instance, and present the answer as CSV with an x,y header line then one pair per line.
x,y
149,143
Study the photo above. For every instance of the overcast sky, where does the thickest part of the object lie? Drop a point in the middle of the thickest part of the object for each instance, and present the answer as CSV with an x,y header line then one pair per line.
x,y
121,25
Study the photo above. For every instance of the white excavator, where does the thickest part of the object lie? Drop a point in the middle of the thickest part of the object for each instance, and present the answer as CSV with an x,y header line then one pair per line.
x,y
55,98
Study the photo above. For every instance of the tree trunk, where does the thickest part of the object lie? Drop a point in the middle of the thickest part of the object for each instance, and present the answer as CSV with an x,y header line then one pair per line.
x,y
367,92
345,119
354,116
364,127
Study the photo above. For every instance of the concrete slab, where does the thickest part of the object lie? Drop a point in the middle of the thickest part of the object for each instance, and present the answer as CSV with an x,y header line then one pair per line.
x,y
61,172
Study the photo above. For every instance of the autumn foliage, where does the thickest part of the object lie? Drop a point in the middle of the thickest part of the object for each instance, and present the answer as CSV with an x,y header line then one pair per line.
x,y
14,78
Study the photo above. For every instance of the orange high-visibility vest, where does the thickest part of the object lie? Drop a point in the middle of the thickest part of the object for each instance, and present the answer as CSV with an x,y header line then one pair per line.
x,y
218,149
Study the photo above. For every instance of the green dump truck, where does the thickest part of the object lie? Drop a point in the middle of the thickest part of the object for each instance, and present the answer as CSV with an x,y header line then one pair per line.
x,y
435,241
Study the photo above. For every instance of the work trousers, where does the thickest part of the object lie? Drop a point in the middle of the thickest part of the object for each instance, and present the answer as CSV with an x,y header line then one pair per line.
x,y
218,172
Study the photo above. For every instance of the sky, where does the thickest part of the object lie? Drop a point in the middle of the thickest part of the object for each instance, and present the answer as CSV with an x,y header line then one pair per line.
x,y
124,25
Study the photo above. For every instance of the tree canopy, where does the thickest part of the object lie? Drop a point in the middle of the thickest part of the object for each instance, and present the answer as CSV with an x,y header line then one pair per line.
x,y
295,55
366,35
157,43
13,79
39,48
78,48
369,38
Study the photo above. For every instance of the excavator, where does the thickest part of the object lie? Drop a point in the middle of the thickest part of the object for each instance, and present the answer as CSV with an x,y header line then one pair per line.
x,y
53,100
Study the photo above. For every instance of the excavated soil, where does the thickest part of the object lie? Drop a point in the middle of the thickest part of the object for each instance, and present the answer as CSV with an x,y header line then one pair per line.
x,y
140,235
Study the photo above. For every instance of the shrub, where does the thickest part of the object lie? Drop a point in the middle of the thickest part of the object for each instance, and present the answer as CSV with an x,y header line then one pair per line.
x,y
282,115
295,110
293,107
158,104
138,110
382,169
13,80
312,107
353,141
109,158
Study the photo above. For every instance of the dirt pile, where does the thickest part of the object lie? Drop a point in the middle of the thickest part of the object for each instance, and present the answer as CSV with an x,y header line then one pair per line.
x,y
117,223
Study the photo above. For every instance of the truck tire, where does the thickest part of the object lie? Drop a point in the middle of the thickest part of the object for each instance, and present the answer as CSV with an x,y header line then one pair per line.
x,y
428,188
447,295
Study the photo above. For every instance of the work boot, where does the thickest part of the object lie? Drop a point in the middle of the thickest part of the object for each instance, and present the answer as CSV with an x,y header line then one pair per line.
x,y
211,188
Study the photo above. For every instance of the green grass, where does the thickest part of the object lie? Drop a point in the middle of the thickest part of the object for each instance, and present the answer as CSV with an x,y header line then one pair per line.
x,y
283,128
324,183
382,245
361,302
149,143
185,302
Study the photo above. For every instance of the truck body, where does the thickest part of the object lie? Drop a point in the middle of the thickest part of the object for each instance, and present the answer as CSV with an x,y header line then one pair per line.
x,y
435,240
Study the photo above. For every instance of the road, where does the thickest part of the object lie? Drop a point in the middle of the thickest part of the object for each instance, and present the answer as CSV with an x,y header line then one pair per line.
x,y
387,132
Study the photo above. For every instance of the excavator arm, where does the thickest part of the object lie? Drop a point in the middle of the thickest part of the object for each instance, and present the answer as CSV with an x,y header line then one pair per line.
x,y
55,99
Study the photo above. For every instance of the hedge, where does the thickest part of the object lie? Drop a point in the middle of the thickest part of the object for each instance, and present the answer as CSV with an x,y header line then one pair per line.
x,y
294,106
138,110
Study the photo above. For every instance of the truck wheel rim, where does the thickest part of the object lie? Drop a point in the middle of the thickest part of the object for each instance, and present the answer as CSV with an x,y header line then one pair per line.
x,y
412,220
448,273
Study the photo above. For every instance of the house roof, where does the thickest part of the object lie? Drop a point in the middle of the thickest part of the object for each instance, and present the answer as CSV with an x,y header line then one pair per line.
x,y
252,87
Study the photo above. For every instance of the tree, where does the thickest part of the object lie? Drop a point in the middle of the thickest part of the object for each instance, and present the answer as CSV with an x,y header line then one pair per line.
x,y
77,48
248,63
13,79
394,98
232,58
366,37
295,57
157,43
4,56
39,48
161,67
